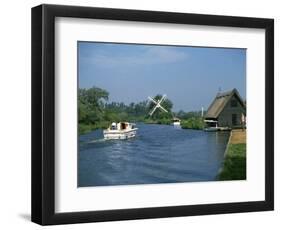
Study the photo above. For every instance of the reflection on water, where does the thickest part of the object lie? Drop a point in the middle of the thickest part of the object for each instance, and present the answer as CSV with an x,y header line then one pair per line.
x,y
158,154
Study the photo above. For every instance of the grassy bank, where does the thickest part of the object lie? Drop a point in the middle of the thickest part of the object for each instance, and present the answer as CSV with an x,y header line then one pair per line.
x,y
234,167
86,128
163,121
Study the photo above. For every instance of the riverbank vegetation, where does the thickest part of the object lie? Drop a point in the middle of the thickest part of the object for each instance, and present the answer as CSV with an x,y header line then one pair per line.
x,y
193,123
234,167
95,111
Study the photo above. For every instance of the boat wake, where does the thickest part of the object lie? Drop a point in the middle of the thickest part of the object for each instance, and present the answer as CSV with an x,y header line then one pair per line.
x,y
98,140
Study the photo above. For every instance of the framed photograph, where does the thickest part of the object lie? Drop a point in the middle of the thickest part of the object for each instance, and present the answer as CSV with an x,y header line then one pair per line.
x,y
143,114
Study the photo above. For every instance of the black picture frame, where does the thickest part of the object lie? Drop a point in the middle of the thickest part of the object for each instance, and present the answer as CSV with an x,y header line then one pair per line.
x,y
43,114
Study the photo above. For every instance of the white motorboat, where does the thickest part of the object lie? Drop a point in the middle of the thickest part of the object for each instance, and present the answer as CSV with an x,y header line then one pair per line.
x,y
120,130
176,121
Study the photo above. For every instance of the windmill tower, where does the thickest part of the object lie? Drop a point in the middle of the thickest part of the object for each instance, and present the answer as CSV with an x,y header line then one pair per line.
x,y
157,104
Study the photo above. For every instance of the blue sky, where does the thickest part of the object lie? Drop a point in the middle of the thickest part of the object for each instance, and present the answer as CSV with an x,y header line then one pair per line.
x,y
189,76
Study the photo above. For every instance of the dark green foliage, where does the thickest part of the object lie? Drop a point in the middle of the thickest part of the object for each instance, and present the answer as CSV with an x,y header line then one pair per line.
x,y
193,123
94,112
162,121
234,167
186,115
85,128
90,105
120,112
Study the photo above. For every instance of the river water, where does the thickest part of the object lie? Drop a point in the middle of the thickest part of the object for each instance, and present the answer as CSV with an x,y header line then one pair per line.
x,y
158,154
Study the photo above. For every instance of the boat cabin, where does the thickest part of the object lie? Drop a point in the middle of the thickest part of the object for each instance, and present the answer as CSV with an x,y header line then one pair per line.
x,y
121,126
176,121
211,123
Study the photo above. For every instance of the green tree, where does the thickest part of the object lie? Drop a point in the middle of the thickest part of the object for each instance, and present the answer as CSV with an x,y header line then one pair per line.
x,y
94,97
91,104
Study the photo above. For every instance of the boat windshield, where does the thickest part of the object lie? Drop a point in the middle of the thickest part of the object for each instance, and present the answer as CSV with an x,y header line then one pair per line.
x,y
113,126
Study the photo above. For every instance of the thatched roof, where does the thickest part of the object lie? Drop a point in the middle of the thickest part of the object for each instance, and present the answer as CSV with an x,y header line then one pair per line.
x,y
221,101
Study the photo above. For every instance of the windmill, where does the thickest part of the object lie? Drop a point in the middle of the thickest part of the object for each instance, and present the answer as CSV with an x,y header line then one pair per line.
x,y
157,104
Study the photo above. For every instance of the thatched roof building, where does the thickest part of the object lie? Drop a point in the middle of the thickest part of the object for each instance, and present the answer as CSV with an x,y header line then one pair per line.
x,y
227,109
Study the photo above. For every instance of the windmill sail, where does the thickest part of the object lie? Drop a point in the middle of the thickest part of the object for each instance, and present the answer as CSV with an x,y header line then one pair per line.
x,y
157,104
153,110
162,108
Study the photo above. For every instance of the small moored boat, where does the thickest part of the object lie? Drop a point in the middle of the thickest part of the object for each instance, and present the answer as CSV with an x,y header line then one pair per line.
x,y
176,121
212,126
120,130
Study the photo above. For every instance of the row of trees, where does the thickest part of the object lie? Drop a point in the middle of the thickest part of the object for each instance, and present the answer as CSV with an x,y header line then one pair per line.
x,y
95,111
187,115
